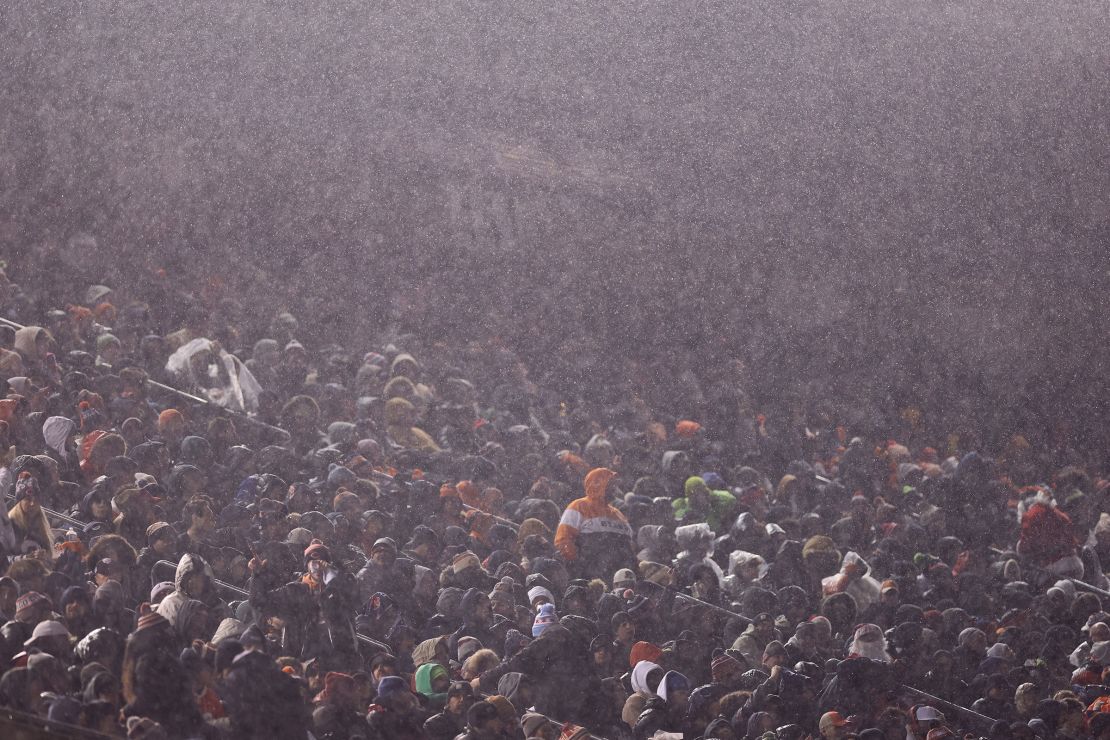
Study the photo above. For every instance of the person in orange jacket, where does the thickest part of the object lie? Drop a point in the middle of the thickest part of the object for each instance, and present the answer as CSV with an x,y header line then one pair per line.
x,y
593,536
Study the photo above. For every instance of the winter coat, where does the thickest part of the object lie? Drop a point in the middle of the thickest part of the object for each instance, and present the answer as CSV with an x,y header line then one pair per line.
x,y
641,693
856,683
162,693
594,531
186,567
400,424
649,538
262,701
1047,534
721,505
750,646
556,662
423,679
470,626
656,717
386,724
444,726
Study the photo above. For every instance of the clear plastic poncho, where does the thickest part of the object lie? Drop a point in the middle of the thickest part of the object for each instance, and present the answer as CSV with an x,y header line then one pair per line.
x,y
219,377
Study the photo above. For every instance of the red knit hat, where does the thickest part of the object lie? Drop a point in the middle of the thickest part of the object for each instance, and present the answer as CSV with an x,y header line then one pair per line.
x,y
644,651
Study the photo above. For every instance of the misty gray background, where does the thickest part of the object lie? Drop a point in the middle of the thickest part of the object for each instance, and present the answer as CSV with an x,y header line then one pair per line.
x,y
864,181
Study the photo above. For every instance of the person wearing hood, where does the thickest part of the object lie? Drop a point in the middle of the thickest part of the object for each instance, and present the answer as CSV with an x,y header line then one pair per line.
x,y
666,711
1026,697
76,608
701,504
517,688
868,642
95,506
971,649
200,521
646,676
703,706
802,645
657,544
1048,540
192,580
676,467
432,650
431,682
477,614
34,344
853,579
754,639
557,660
995,701
788,568
400,418
385,573
593,536
27,518
58,434
404,365
744,570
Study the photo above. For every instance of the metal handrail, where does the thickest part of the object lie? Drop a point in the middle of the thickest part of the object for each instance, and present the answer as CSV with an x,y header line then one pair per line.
x,y
982,720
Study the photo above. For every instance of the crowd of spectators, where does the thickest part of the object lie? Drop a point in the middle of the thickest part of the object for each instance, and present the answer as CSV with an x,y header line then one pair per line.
x,y
414,540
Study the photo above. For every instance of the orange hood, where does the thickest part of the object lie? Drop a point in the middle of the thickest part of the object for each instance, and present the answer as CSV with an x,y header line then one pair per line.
x,y
597,481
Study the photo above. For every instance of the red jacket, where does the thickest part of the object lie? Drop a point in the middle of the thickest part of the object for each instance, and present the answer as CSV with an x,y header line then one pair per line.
x,y
1047,535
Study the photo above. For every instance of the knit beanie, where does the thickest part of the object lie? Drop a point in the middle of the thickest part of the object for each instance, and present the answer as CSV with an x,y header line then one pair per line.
x,y
537,591
465,560
644,651
544,619
391,685
28,601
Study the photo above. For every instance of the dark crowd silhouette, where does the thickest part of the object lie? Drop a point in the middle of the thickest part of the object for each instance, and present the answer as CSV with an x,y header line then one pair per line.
x,y
221,523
